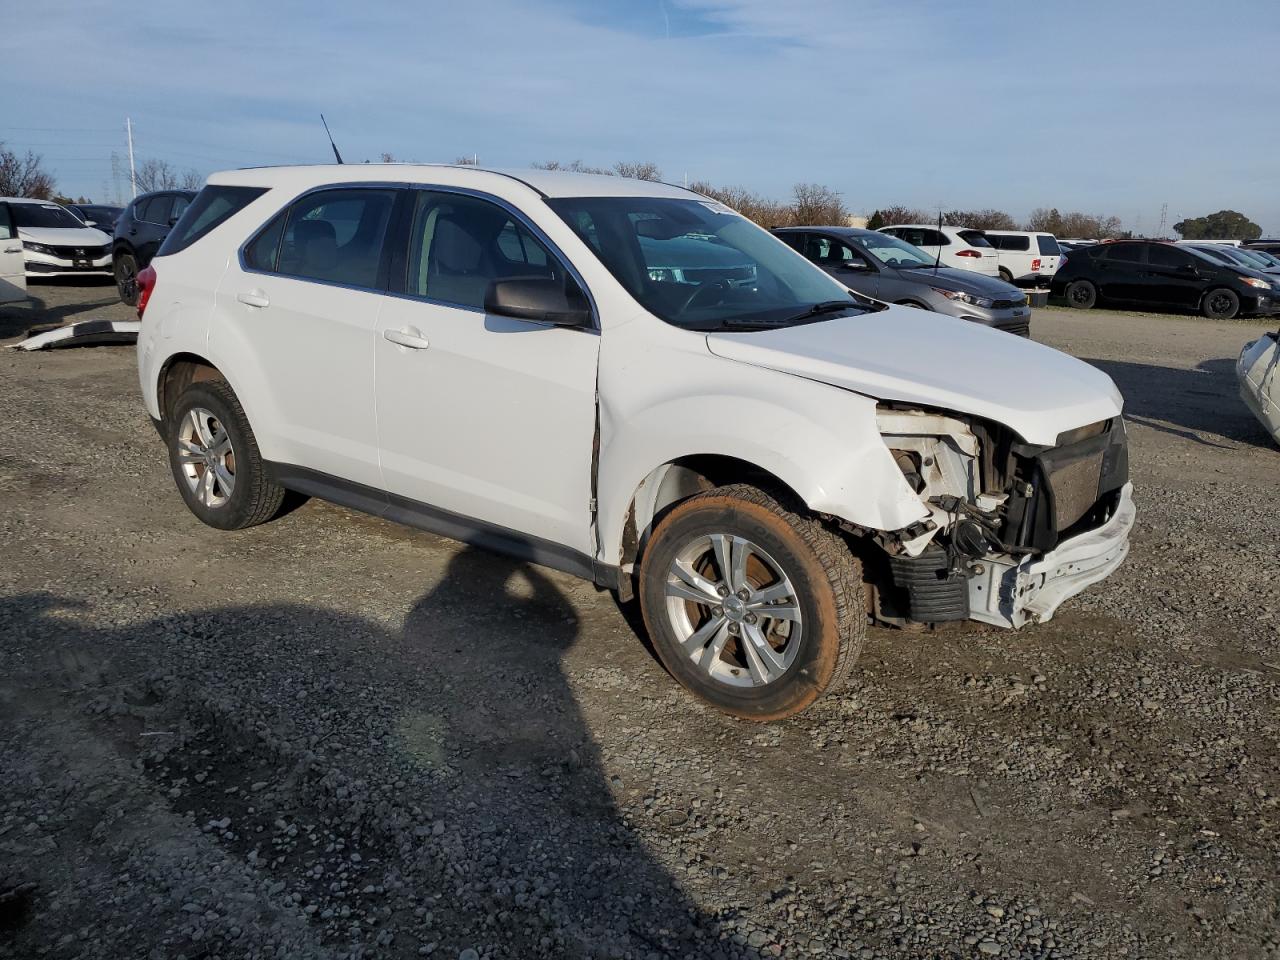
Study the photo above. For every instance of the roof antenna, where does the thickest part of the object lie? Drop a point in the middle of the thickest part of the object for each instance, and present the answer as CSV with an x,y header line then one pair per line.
x,y
936,263
336,155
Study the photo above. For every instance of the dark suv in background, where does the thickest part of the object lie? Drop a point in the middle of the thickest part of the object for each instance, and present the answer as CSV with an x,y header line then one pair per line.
x,y
1159,275
138,235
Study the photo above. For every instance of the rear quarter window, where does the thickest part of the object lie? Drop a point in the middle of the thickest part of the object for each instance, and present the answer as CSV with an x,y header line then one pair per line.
x,y
1048,246
213,206
974,238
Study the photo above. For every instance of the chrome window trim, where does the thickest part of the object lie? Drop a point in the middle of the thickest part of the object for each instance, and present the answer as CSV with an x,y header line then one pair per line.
x,y
516,214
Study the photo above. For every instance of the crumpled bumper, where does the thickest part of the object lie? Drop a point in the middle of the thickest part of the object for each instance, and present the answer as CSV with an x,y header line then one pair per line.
x,y
1011,593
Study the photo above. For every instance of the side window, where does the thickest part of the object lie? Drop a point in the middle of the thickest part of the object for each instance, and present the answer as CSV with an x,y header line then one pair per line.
x,y
6,222
1165,255
337,236
915,236
157,209
1011,243
935,238
180,204
261,252
1125,252
817,248
793,240
459,244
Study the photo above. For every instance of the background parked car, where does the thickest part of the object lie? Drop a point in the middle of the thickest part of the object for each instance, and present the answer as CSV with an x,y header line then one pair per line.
x,y
1257,372
1235,256
138,235
55,242
1025,256
959,247
101,216
1159,275
1270,246
886,268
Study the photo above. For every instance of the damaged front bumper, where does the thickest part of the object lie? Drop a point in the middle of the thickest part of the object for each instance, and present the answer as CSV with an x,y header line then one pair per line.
x,y
1011,592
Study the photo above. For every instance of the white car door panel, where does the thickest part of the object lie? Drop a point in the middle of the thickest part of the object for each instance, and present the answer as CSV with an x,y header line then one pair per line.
x,y
13,276
302,320
487,417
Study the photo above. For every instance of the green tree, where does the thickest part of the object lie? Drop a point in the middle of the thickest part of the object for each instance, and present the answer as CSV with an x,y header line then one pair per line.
x,y
876,221
1223,225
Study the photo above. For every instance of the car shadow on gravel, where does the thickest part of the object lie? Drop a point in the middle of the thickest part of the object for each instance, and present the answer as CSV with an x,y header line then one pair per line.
x,y
1186,403
388,789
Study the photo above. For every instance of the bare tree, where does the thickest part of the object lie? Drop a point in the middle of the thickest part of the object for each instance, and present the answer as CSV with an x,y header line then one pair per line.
x,y
155,174
637,171
814,204
24,176
766,212
575,166
986,219
900,214
192,180
1074,224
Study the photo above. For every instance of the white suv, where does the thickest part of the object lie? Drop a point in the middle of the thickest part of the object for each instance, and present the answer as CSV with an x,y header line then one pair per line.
x,y
960,247
633,383
1025,257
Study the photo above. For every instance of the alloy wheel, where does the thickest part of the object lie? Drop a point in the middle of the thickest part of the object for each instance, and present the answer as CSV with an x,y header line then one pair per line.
x,y
206,457
734,610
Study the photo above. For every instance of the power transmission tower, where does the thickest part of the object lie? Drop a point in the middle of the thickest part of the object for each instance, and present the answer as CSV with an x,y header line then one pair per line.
x,y
1164,219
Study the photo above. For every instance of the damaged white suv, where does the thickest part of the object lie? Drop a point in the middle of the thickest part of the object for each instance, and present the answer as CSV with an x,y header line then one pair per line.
x,y
633,383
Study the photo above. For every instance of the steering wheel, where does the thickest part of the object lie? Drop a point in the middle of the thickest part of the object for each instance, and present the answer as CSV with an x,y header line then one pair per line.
x,y
715,286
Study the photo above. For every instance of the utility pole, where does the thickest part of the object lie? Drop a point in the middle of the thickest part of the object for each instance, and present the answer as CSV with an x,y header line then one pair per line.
x,y
133,174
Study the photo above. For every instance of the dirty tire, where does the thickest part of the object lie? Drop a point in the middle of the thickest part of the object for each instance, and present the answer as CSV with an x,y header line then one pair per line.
x,y
1220,304
1006,274
126,273
827,582
255,498
1082,295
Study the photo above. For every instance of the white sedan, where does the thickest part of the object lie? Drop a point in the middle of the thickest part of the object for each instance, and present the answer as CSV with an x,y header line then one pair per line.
x,y
55,242
1256,369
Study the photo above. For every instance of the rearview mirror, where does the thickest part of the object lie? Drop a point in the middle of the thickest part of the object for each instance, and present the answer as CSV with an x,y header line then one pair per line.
x,y
538,298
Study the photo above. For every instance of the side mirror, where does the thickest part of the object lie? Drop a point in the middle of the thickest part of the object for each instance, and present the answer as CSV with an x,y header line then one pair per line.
x,y
538,298
172,221
1189,269
91,223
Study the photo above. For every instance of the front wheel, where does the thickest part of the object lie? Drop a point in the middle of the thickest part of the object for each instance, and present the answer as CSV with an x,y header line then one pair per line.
x,y
1082,295
215,460
126,271
1220,304
755,608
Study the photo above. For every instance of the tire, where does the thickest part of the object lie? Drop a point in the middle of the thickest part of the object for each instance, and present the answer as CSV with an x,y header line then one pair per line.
x,y
809,650
1082,295
1220,304
913,303
1006,275
239,493
125,267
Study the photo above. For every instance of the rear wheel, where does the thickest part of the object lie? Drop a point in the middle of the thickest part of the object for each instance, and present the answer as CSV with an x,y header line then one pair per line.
x,y
755,608
1220,304
126,271
1006,275
1082,294
215,459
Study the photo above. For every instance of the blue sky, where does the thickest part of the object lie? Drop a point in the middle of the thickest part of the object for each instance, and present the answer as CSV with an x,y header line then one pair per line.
x,y
1109,107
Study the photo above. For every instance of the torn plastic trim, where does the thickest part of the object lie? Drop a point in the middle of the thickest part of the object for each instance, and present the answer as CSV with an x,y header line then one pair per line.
x,y
83,334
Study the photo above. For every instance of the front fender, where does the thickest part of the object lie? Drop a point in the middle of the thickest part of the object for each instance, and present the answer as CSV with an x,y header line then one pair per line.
x,y
821,441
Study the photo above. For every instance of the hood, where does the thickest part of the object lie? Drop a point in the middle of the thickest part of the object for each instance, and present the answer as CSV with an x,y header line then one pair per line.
x,y
65,236
914,356
961,281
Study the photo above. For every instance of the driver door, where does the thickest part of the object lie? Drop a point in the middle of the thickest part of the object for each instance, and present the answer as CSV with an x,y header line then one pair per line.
x,y
13,275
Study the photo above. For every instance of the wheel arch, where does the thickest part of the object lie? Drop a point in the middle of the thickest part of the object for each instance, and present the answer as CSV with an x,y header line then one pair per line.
x,y
177,373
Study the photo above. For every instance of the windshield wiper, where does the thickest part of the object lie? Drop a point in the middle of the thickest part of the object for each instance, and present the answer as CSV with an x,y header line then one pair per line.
x,y
826,306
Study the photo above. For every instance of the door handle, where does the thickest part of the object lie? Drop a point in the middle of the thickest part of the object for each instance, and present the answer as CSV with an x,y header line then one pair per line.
x,y
17,249
410,337
254,298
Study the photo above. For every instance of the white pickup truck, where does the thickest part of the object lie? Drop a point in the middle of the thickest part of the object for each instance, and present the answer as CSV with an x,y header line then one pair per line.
x,y
631,382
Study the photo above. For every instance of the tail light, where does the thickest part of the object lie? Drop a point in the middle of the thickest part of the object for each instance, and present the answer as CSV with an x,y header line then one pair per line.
x,y
968,253
146,281
1035,264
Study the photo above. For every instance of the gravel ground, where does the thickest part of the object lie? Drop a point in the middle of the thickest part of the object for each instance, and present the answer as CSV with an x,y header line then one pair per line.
x,y
332,737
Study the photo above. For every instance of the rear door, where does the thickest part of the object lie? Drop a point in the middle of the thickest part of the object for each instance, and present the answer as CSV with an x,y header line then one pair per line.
x,y
299,314
1122,272
13,276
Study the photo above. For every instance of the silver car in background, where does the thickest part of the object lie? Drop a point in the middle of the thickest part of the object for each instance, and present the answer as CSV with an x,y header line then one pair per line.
x,y
1259,389
886,268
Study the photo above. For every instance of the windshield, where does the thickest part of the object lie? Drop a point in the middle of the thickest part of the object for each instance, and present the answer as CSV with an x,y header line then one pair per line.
x,y
697,264
100,214
44,215
891,250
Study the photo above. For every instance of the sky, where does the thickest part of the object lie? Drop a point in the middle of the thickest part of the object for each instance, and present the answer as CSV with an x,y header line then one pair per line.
x,y
1113,107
